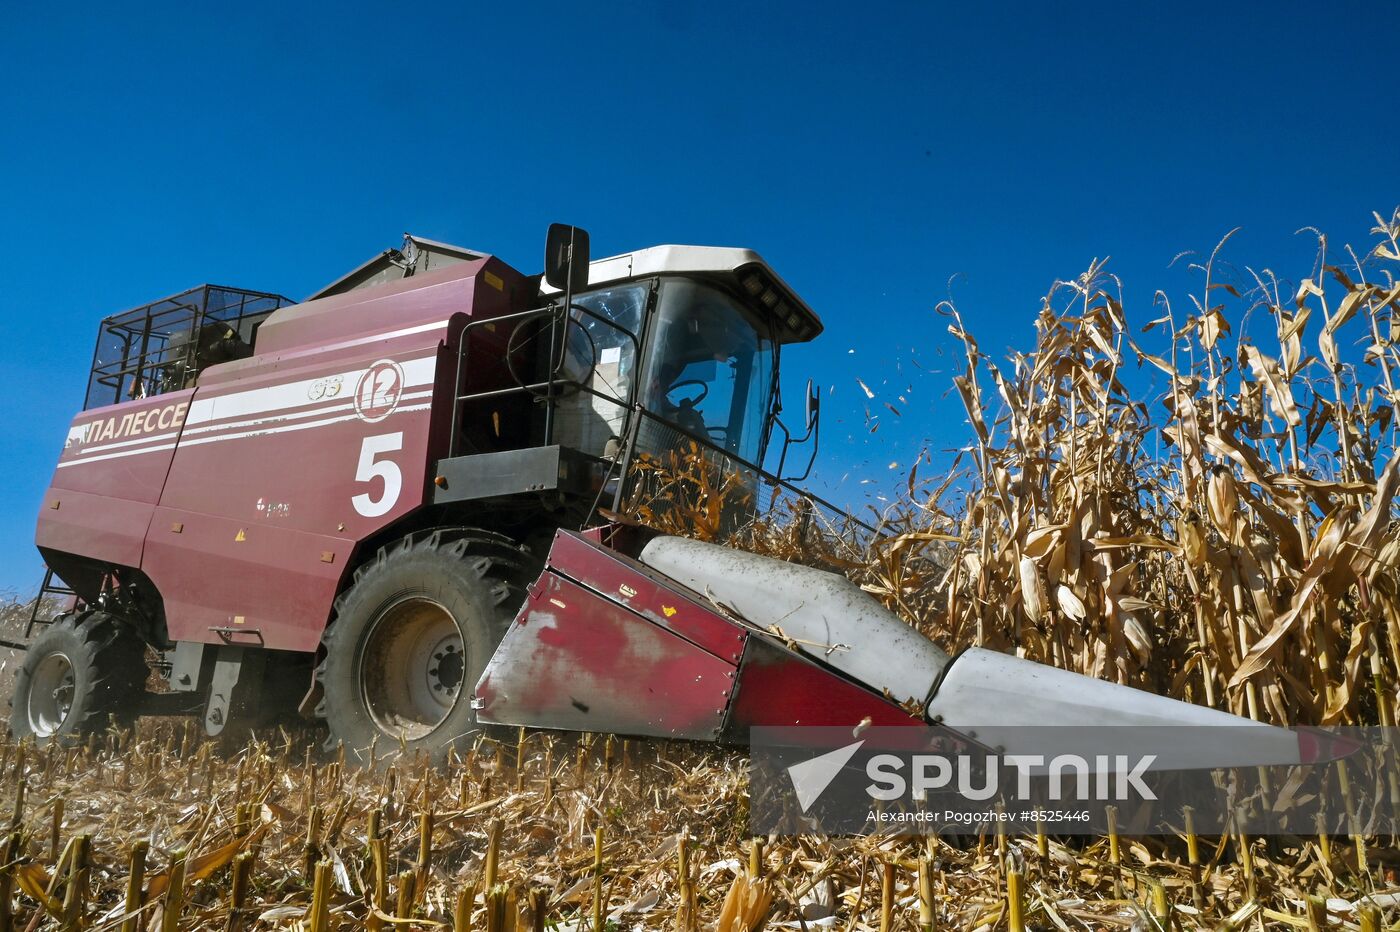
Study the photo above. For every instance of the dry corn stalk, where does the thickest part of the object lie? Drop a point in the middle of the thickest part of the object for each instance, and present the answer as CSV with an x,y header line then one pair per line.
x,y
746,905
1226,536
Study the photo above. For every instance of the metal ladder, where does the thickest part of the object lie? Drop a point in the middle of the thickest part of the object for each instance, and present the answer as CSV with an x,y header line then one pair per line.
x,y
47,588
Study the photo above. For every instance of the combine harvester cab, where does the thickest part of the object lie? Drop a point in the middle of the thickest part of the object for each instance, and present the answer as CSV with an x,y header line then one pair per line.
x,y
381,508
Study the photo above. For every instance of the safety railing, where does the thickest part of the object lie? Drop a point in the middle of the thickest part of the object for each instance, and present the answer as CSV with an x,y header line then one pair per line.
x,y
648,441
152,349
548,390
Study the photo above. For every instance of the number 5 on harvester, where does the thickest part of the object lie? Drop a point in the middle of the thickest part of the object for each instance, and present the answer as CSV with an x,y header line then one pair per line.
x,y
369,469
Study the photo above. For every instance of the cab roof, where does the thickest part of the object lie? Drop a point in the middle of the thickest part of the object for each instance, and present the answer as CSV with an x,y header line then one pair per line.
x,y
797,321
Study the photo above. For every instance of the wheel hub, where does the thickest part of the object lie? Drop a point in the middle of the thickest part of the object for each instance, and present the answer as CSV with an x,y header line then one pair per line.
x,y
412,667
447,667
51,689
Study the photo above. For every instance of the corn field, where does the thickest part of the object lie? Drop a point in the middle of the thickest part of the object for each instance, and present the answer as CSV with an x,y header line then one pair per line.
x,y
1227,538
1230,540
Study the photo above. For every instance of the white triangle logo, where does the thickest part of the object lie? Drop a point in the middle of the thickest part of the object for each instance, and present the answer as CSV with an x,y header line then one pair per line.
x,y
811,777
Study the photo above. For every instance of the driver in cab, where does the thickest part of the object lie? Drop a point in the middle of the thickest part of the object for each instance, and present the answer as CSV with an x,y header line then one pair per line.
x,y
676,394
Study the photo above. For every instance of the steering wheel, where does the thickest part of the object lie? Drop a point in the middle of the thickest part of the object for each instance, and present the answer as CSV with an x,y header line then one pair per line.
x,y
687,383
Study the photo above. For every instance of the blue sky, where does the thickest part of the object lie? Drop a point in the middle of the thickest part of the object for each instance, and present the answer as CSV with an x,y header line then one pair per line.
x,y
870,152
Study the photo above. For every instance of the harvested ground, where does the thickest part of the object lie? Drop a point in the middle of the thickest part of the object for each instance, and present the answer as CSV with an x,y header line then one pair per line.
x,y
292,818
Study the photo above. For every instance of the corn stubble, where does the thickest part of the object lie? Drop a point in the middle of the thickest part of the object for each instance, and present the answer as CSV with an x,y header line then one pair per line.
x,y
1227,540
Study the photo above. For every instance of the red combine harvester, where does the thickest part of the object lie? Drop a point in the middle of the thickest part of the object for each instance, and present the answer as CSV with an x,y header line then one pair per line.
x,y
381,507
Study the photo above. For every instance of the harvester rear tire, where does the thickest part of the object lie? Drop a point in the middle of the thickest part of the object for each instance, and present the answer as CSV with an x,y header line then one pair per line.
x,y
84,672
410,639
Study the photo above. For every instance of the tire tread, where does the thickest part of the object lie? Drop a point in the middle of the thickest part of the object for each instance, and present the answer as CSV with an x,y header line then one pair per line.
x,y
498,564
116,659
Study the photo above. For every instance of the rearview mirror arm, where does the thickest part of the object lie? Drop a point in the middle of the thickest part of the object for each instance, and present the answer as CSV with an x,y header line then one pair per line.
x,y
787,442
815,433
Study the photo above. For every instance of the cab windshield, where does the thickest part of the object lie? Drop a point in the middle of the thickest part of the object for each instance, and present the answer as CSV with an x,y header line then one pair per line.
x,y
711,372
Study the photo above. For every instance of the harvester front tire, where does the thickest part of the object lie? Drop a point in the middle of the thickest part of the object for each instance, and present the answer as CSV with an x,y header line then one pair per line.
x,y
84,672
410,639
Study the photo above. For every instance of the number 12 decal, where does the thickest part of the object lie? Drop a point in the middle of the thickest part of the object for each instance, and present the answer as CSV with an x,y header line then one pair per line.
x,y
370,468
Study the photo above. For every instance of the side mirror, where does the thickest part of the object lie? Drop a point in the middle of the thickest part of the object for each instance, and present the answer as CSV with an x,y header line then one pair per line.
x,y
566,257
814,405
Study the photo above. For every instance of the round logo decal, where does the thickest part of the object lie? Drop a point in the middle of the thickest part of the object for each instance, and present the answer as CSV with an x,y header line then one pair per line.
x,y
379,390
